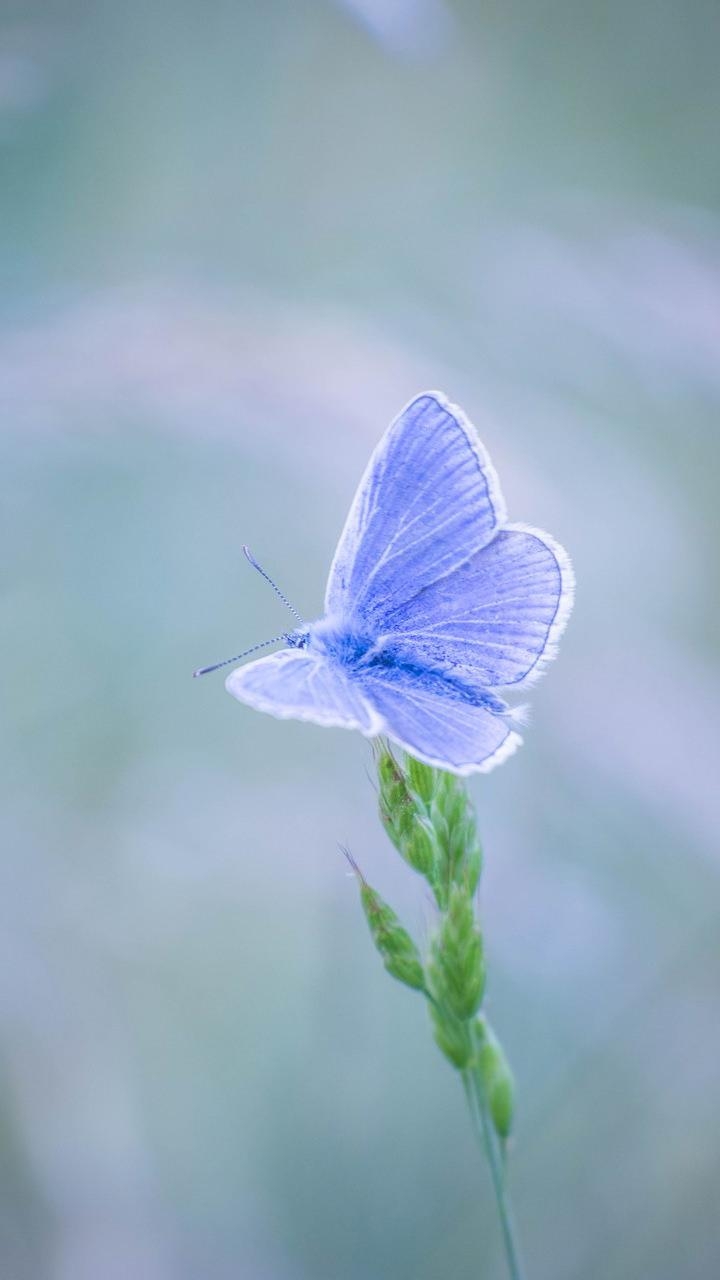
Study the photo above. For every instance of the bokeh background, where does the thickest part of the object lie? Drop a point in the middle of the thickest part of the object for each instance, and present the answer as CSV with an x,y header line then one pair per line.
x,y
235,239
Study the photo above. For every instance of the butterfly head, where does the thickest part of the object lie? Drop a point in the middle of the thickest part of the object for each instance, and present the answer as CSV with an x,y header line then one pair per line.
x,y
298,639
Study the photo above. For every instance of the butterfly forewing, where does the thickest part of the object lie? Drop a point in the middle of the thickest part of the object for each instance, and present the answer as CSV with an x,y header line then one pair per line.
x,y
428,500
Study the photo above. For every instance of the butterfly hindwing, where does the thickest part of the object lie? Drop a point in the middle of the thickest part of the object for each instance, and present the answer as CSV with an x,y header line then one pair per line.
x,y
435,725
495,620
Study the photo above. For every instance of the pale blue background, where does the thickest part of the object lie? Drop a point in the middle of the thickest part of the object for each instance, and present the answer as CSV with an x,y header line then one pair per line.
x,y
235,238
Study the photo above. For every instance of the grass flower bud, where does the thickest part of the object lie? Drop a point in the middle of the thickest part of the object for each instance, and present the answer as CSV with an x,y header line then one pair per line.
x,y
419,848
404,816
422,778
498,1082
458,852
451,1036
458,968
399,953
397,807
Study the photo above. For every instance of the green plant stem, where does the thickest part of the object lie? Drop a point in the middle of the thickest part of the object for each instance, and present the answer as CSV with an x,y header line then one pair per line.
x,y
485,1134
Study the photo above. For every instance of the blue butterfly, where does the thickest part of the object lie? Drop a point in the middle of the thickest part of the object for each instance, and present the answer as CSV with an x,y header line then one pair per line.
x,y
433,605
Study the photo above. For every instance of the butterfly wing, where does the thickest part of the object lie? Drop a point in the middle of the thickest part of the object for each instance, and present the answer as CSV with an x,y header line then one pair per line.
x,y
495,620
429,499
294,684
458,603
426,716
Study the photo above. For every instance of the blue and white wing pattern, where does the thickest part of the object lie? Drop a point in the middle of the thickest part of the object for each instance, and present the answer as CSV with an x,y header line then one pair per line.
x,y
440,722
494,621
434,604
295,684
428,500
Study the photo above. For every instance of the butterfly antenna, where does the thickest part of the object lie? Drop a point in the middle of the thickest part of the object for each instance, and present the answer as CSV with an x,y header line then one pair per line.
x,y
203,671
249,556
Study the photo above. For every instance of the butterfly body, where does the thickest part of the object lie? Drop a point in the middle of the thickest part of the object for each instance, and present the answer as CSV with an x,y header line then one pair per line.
x,y
434,605
341,640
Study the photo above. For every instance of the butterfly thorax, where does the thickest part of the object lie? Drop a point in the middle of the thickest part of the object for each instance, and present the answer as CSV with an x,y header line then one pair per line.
x,y
347,642
339,639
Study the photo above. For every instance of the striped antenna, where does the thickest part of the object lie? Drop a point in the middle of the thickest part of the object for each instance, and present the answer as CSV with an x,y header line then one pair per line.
x,y
204,671
249,556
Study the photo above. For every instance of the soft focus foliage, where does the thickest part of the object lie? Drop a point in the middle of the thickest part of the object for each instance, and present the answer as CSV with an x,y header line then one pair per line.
x,y
234,239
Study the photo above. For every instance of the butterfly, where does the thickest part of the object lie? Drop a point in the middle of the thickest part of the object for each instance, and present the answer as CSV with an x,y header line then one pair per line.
x,y
434,606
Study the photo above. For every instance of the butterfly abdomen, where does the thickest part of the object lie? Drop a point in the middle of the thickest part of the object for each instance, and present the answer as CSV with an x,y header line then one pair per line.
x,y
438,681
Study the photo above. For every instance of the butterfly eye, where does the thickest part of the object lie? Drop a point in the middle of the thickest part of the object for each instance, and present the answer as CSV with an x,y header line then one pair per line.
x,y
298,639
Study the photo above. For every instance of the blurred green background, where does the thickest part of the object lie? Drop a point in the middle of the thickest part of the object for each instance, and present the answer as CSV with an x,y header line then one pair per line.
x,y
235,239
